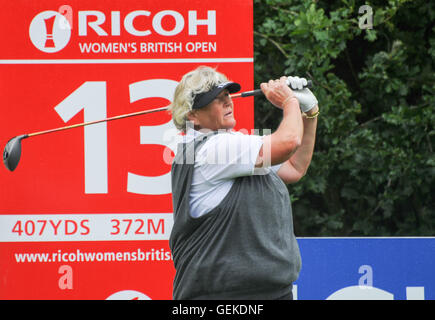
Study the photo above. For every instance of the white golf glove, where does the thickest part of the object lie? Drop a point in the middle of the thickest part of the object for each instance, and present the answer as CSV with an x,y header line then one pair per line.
x,y
306,98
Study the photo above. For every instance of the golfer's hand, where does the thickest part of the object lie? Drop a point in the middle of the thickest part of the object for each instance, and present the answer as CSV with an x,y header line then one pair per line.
x,y
277,92
306,98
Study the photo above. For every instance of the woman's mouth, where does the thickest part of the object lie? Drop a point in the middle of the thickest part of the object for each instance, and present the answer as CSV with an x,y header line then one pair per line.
x,y
228,114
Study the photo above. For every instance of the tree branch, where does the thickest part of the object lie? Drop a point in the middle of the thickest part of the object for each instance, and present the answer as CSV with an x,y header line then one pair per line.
x,y
276,44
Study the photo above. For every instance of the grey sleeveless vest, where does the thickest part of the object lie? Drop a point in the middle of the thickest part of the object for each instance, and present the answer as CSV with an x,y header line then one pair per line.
x,y
244,248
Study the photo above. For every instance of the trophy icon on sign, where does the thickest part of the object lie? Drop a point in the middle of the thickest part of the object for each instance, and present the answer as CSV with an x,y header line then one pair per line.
x,y
49,25
50,31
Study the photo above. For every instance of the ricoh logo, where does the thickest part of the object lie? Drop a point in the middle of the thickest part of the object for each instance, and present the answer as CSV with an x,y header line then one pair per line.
x,y
128,295
50,31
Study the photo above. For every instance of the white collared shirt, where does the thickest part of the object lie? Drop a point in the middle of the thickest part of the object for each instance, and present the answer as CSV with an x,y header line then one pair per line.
x,y
223,157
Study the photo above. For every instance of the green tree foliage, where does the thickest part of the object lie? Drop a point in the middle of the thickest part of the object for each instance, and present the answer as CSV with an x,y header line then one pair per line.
x,y
373,168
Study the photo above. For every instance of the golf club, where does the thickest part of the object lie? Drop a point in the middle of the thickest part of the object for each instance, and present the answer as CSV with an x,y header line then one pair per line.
x,y
258,92
12,150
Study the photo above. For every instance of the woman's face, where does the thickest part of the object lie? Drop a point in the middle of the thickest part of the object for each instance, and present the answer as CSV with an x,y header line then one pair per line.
x,y
216,115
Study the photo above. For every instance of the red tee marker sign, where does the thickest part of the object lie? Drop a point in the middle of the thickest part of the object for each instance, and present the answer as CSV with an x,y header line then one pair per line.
x,y
87,214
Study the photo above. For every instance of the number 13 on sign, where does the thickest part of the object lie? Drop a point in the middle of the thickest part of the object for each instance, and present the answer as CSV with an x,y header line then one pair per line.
x,y
91,97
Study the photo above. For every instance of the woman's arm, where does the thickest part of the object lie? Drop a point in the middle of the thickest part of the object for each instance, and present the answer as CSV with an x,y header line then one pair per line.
x,y
279,146
295,168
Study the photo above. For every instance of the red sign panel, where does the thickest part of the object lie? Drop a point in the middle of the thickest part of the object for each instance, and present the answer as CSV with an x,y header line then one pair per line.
x,y
87,213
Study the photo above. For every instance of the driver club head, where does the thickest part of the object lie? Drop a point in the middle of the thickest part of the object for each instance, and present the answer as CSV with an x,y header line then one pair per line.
x,y
12,152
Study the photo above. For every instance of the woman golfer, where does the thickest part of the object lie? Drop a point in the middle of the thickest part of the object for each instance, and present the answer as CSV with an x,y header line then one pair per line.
x,y
233,227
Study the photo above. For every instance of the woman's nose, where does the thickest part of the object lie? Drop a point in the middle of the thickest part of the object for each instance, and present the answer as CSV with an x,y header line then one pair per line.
x,y
227,100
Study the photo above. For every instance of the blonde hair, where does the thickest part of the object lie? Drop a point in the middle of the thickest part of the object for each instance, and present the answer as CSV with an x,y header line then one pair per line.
x,y
202,79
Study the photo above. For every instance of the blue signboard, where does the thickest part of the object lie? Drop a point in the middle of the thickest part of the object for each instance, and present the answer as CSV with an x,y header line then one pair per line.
x,y
366,268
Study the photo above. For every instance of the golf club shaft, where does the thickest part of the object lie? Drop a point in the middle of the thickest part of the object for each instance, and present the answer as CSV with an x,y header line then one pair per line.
x,y
236,95
96,121
258,92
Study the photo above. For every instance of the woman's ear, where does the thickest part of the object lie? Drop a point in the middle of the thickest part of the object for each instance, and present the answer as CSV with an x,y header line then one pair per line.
x,y
191,116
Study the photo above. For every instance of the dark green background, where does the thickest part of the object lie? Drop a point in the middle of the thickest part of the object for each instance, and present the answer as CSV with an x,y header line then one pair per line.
x,y
372,172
